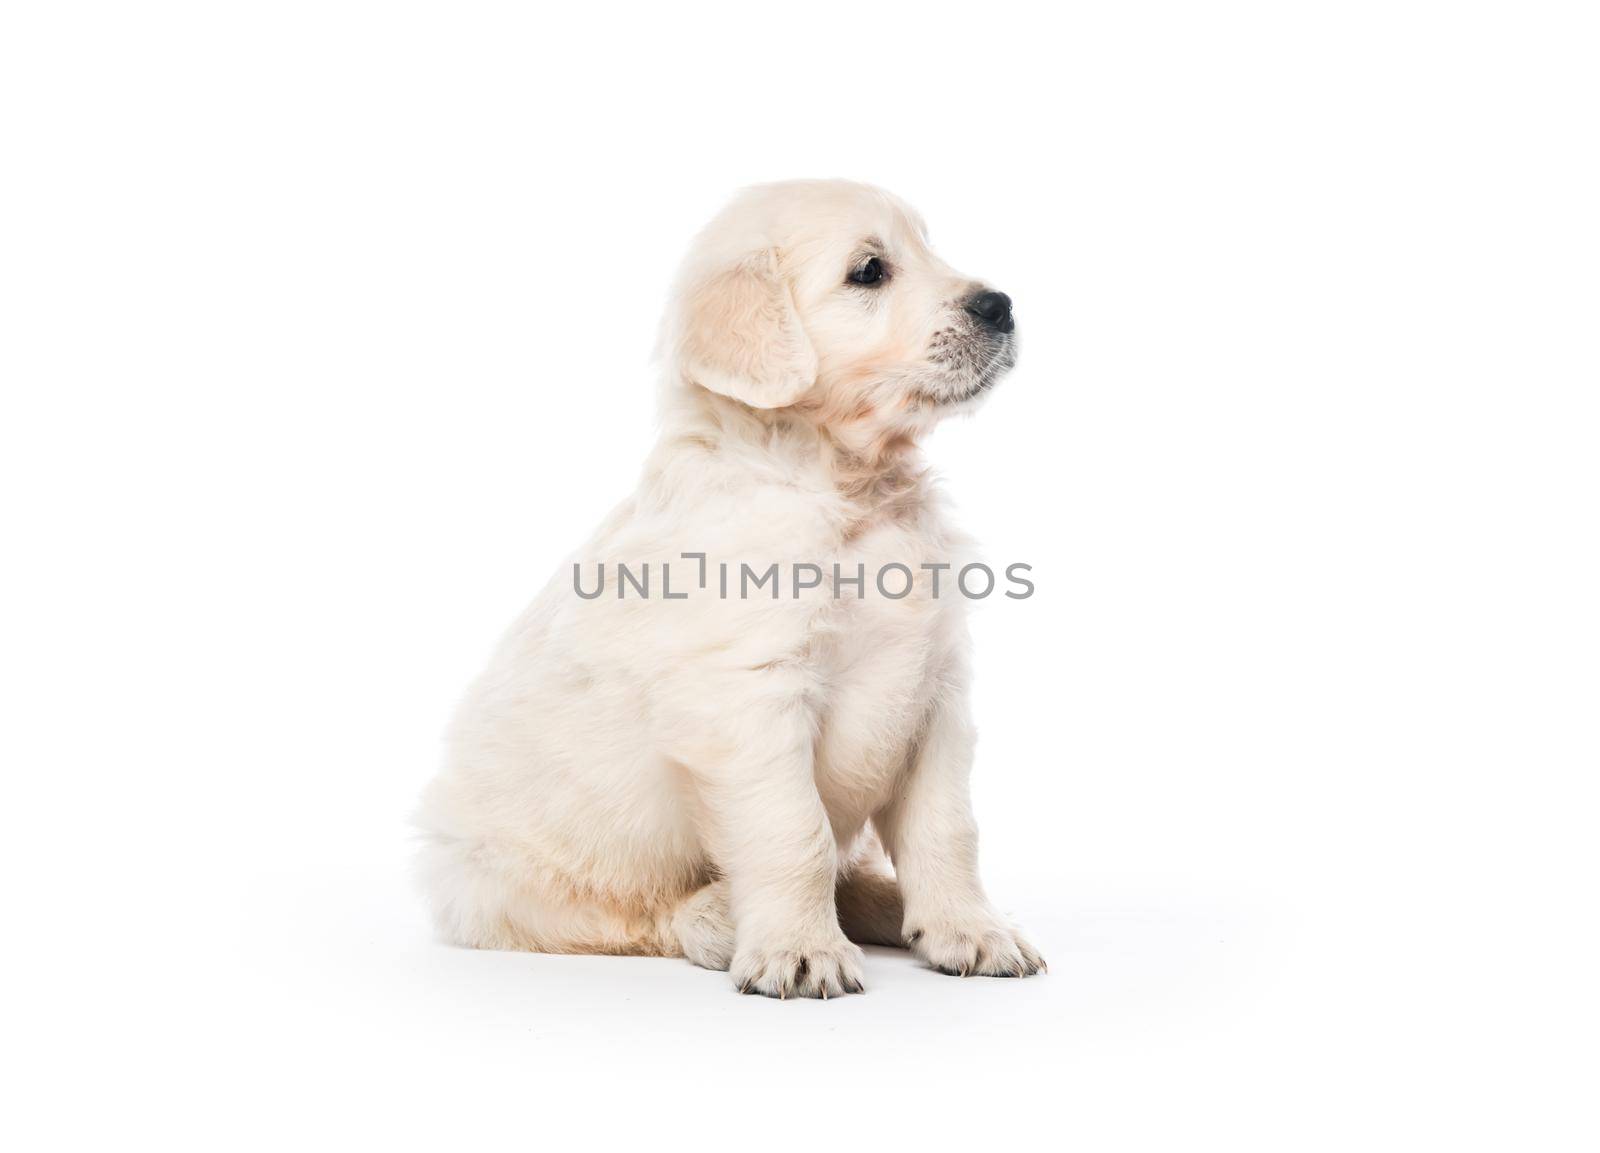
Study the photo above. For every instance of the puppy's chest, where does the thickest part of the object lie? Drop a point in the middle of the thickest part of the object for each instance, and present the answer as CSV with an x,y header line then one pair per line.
x,y
884,651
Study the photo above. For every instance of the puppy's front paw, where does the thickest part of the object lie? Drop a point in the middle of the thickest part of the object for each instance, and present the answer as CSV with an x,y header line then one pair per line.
x,y
827,968
980,945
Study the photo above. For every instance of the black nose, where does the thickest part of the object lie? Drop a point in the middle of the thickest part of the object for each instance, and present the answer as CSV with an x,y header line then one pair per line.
x,y
993,308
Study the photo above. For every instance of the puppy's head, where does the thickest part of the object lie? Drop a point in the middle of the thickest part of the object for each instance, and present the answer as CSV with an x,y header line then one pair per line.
x,y
823,297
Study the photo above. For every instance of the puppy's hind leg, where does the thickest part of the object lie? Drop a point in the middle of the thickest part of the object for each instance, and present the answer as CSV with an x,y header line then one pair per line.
x,y
488,898
702,927
871,911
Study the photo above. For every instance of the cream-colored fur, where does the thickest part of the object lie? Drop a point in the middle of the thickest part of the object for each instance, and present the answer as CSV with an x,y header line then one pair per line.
x,y
720,778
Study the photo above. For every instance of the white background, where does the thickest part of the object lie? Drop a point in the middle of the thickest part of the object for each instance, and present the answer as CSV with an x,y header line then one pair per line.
x,y
324,334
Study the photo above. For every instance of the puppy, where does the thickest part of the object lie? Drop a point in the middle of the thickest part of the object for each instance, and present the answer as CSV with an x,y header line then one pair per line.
x,y
698,770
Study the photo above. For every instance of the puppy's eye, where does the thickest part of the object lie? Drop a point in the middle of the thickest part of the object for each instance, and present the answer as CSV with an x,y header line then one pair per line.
x,y
869,272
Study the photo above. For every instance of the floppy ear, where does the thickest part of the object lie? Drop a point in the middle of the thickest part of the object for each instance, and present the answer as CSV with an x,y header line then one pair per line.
x,y
740,335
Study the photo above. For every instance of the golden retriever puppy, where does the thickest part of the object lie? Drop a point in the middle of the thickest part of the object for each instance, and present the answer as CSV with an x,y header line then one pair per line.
x,y
752,683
